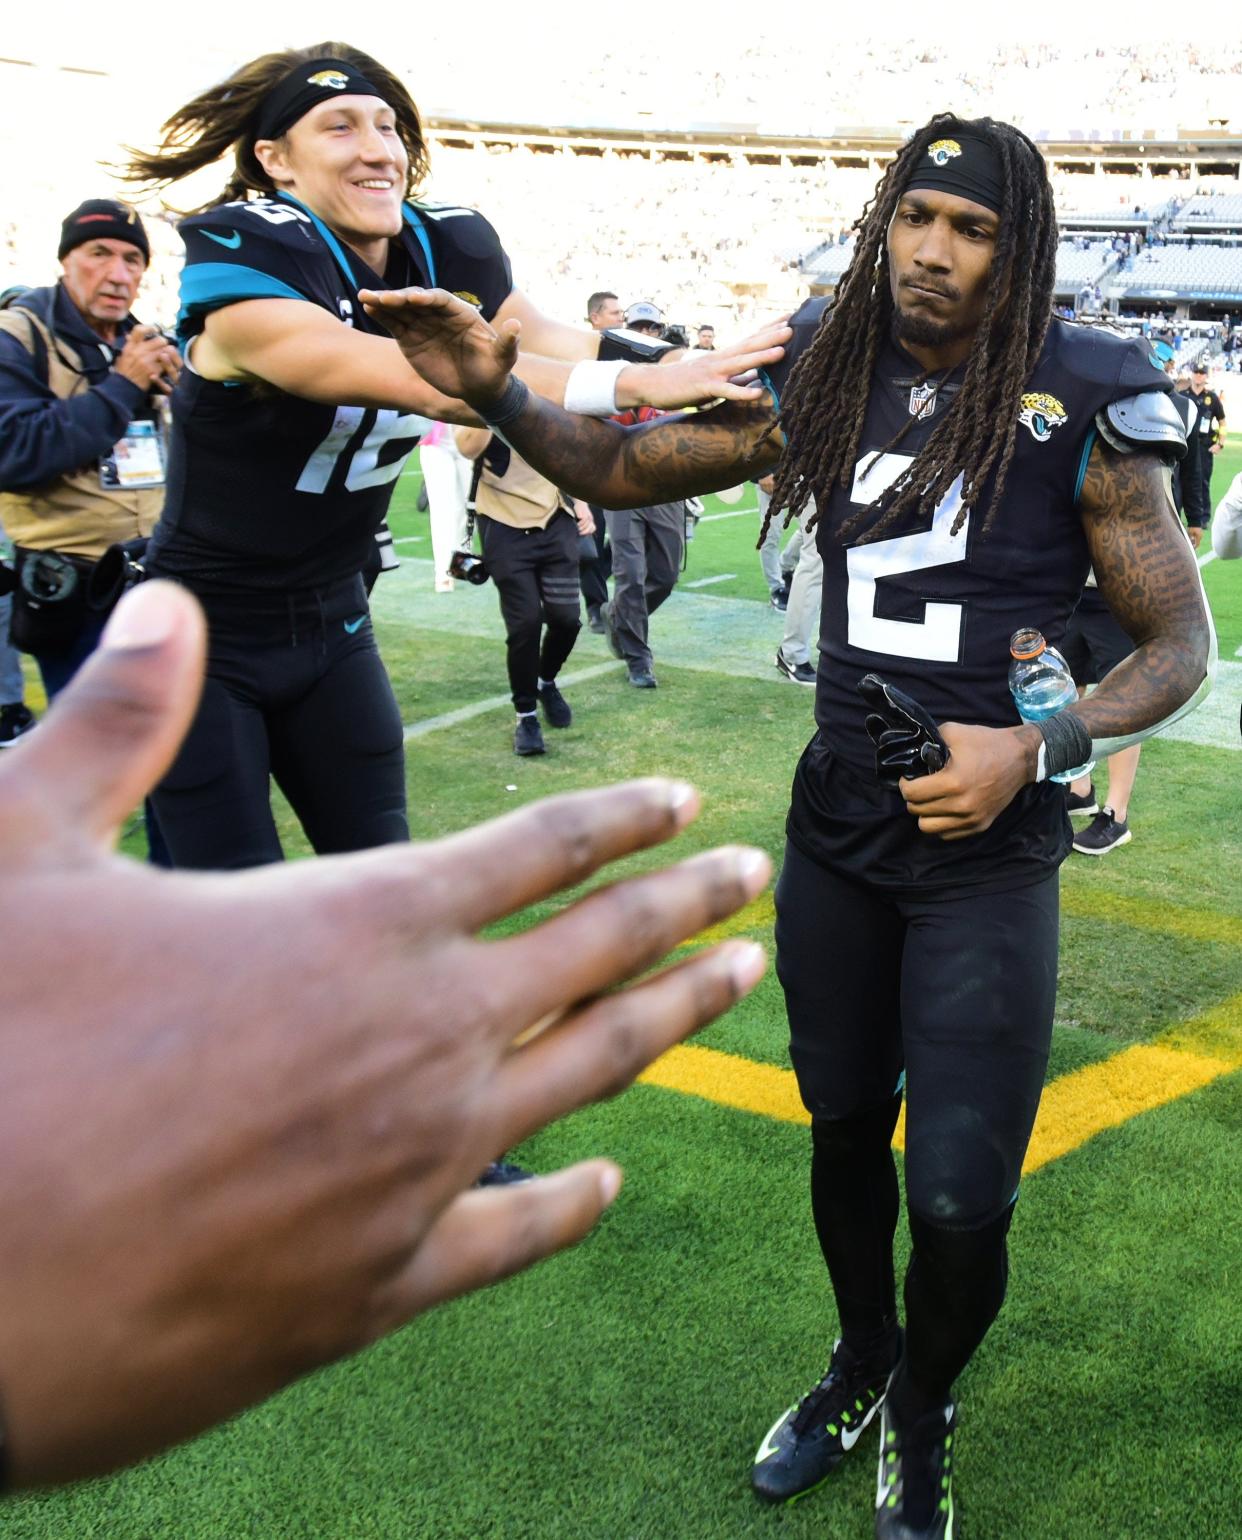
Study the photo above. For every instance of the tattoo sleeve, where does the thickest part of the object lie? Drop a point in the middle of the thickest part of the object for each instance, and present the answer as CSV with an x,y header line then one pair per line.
x,y
656,462
1147,573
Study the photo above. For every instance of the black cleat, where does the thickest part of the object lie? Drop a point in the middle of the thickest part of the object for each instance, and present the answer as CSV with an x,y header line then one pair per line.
x,y
641,678
1081,802
914,1488
807,1443
555,706
528,737
595,621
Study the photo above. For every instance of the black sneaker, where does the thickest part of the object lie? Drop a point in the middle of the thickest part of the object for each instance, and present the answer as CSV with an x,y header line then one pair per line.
x,y
595,621
1086,804
15,720
800,673
528,736
1104,833
806,1444
641,677
780,597
555,706
610,635
503,1173
914,1488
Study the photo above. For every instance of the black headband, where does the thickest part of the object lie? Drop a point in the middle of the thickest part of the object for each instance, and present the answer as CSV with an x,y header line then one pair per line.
x,y
964,164
318,80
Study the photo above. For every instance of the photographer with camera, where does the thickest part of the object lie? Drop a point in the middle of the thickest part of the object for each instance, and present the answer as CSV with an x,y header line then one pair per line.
x,y
530,540
81,451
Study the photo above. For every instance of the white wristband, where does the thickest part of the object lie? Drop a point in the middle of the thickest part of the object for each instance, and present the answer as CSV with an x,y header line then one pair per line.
x,y
591,389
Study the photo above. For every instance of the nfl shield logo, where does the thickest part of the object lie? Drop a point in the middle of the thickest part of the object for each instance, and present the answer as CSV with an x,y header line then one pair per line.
x,y
922,400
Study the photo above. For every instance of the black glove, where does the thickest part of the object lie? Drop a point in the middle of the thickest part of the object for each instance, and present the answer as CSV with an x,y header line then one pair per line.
x,y
907,741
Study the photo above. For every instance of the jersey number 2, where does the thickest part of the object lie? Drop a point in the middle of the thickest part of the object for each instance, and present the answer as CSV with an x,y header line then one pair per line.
x,y
364,467
937,638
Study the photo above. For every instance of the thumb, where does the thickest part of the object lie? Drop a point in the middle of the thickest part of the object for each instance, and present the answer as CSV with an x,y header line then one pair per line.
x,y
112,734
507,339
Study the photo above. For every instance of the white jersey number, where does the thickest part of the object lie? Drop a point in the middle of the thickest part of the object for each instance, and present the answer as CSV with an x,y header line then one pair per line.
x,y
364,467
937,637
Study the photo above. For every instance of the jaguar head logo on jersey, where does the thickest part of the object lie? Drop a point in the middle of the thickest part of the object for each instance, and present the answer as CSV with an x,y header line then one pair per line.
x,y
1041,413
332,78
943,151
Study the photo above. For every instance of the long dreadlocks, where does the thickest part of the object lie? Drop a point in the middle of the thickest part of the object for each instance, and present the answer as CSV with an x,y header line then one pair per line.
x,y
826,402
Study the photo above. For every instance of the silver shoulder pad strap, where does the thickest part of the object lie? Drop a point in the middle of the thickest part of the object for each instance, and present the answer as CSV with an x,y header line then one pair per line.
x,y
1146,421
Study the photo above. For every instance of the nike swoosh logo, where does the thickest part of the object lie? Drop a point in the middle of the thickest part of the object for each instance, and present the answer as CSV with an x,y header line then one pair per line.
x,y
232,241
850,1436
767,1449
353,625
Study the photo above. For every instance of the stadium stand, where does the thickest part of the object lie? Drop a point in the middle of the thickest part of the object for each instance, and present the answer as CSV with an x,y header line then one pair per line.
x,y
1174,271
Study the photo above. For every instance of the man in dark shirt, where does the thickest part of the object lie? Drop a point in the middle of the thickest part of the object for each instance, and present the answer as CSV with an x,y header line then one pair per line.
x,y
1207,439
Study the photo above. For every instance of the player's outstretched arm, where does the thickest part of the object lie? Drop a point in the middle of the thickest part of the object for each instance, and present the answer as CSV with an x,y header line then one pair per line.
x,y
243,1112
598,460
1147,572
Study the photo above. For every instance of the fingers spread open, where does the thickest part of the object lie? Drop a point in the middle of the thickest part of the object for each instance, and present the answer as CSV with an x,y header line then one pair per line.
x,y
619,931
490,1233
597,1051
497,867
109,738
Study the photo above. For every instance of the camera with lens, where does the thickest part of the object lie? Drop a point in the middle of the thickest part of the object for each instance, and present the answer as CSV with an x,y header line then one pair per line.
x,y
469,567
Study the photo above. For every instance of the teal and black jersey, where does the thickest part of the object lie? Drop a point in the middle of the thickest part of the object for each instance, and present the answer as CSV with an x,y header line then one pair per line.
x,y
267,490
931,609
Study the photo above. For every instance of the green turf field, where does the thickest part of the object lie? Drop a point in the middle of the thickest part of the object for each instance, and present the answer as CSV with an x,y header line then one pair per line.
x,y
620,1391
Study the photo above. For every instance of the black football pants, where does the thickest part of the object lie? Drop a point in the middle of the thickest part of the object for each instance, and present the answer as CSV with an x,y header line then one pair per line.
x,y
950,996
295,691
536,575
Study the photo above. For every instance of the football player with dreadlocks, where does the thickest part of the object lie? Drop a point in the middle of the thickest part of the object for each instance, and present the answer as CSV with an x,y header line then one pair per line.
x,y
969,457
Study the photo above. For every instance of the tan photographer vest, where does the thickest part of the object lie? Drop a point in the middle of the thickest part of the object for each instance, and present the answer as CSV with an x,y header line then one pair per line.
x,y
72,512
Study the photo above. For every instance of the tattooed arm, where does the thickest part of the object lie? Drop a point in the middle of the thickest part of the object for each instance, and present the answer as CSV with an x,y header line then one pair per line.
x,y
656,462
1147,573
597,460
1149,577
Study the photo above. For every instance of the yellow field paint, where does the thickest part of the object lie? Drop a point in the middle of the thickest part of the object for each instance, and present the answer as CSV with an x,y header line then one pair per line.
x,y
1076,903
1074,1108
1152,915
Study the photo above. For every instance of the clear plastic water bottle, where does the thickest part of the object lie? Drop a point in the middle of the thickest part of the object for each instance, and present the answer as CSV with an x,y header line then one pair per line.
x,y
1041,684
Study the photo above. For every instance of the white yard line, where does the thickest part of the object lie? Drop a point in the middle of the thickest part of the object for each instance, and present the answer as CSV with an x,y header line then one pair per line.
x,y
721,577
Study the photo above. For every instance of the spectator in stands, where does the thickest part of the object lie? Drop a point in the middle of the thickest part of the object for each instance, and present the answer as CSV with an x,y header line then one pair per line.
x,y
530,544
242,1115
81,435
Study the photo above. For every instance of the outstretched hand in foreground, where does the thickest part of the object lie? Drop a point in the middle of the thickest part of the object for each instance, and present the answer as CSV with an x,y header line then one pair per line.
x,y
243,1112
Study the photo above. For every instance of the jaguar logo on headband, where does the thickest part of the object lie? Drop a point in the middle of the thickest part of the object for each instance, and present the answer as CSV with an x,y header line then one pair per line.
x,y
332,78
1041,413
944,150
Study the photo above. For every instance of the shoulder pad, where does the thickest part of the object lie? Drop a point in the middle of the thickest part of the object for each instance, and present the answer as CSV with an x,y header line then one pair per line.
x,y
1146,421
1101,356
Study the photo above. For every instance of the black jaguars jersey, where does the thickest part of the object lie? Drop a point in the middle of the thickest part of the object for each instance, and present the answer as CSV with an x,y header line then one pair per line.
x,y
933,611
267,490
